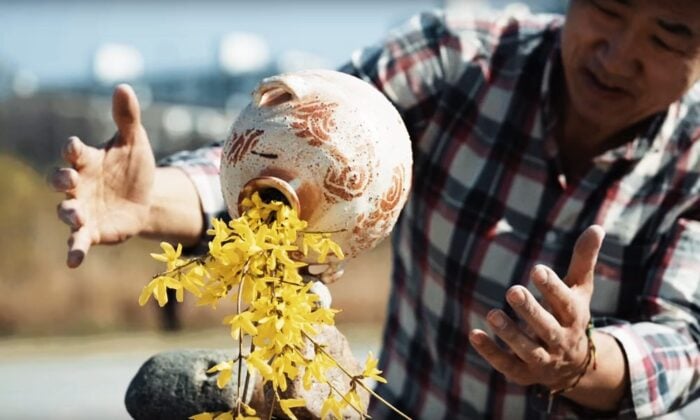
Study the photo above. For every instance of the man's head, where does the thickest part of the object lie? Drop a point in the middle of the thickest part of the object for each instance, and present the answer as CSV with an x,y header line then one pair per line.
x,y
625,60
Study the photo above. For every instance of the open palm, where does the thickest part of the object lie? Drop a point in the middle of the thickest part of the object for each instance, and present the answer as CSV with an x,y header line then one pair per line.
x,y
108,189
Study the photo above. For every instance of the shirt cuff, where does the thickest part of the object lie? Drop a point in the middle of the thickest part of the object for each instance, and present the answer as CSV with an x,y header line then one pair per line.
x,y
208,187
644,400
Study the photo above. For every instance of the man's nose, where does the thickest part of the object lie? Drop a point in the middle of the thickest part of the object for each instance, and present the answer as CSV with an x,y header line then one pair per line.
x,y
618,55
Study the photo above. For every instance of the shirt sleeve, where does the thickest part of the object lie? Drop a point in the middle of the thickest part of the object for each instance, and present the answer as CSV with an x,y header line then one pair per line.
x,y
202,166
661,346
661,349
416,62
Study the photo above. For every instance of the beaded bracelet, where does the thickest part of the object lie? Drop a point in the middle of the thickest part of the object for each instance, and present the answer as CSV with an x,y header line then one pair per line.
x,y
590,358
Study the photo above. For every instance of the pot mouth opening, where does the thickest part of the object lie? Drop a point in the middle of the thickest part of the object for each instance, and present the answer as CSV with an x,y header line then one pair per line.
x,y
268,195
270,189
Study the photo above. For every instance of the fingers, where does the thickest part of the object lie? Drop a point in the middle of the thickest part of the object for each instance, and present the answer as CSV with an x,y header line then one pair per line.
x,y
584,258
126,112
77,153
509,365
523,346
64,179
78,246
543,323
556,293
70,213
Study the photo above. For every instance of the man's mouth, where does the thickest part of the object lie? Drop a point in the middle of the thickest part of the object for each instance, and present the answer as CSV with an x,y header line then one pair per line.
x,y
601,86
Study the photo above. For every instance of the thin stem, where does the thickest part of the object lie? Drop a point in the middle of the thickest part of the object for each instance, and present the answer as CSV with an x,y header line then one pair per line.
x,y
355,379
277,398
240,346
291,282
318,346
360,412
272,406
180,267
385,402
332,387
247,371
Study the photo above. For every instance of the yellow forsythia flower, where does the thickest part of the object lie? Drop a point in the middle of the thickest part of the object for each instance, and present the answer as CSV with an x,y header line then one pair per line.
x,y
239,322
158,287
255,361
331,405
248,409
370,371
352,398
250,261
225,372
202,416
288,404
170,255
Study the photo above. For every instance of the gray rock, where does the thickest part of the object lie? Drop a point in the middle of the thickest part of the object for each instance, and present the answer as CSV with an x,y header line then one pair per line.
x,y
176,385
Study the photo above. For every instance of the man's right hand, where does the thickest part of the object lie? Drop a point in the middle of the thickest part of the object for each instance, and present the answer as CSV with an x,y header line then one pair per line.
x,y
108,189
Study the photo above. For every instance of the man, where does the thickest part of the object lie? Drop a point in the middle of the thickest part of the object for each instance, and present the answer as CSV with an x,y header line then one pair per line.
x,y
525,133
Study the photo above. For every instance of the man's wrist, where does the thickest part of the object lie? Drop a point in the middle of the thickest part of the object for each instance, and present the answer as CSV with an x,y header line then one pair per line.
x,y
602,389
174,212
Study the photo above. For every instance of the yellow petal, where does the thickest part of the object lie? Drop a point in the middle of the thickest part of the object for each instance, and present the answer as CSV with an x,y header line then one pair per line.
x,y
332,405
167,249
161,295
159,257
146,292
202,416
262,367
288,404
223,378
248,409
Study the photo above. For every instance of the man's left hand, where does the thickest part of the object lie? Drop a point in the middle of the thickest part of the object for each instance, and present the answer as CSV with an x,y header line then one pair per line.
x,y
551,347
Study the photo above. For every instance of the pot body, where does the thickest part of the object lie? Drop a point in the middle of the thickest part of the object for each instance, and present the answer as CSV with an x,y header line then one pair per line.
x,y
332,144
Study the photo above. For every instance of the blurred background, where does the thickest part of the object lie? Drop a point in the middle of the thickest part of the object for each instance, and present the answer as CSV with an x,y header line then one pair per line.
x,y
70,340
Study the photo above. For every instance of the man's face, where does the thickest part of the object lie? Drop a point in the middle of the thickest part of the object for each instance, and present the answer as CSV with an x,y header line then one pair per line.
x,y
625,60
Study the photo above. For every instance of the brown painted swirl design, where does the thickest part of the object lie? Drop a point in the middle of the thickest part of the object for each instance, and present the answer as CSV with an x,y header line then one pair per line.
x,y
241,144
314,121
344,179
372,228
391,198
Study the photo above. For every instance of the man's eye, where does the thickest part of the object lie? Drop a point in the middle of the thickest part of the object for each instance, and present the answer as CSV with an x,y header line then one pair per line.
x,y
605,11
661,44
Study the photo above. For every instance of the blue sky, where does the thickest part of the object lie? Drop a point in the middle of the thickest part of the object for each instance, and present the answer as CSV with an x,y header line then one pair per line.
x,y
56,40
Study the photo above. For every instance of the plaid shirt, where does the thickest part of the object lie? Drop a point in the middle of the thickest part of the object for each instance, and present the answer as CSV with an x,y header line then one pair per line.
x,y
489,201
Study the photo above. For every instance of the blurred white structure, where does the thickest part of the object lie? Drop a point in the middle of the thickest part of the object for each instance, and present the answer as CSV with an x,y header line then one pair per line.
x,y
25,83
212,123
117,63
177,121
242,52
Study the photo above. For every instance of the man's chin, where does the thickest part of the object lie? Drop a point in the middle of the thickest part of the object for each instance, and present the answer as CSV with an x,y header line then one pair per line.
x,y
601,113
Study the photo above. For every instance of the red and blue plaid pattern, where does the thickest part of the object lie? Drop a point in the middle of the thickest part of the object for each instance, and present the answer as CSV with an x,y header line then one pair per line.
x,y
489,201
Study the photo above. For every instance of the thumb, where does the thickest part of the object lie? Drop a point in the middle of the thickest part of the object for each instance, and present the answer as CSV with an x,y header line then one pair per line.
x,y
126,111
584,258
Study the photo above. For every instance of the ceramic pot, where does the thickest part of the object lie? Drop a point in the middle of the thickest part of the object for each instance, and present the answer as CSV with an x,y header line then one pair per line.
x,y
330,145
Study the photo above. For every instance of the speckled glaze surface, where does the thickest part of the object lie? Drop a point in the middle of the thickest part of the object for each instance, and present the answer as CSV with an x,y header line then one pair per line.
x,y
337,146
